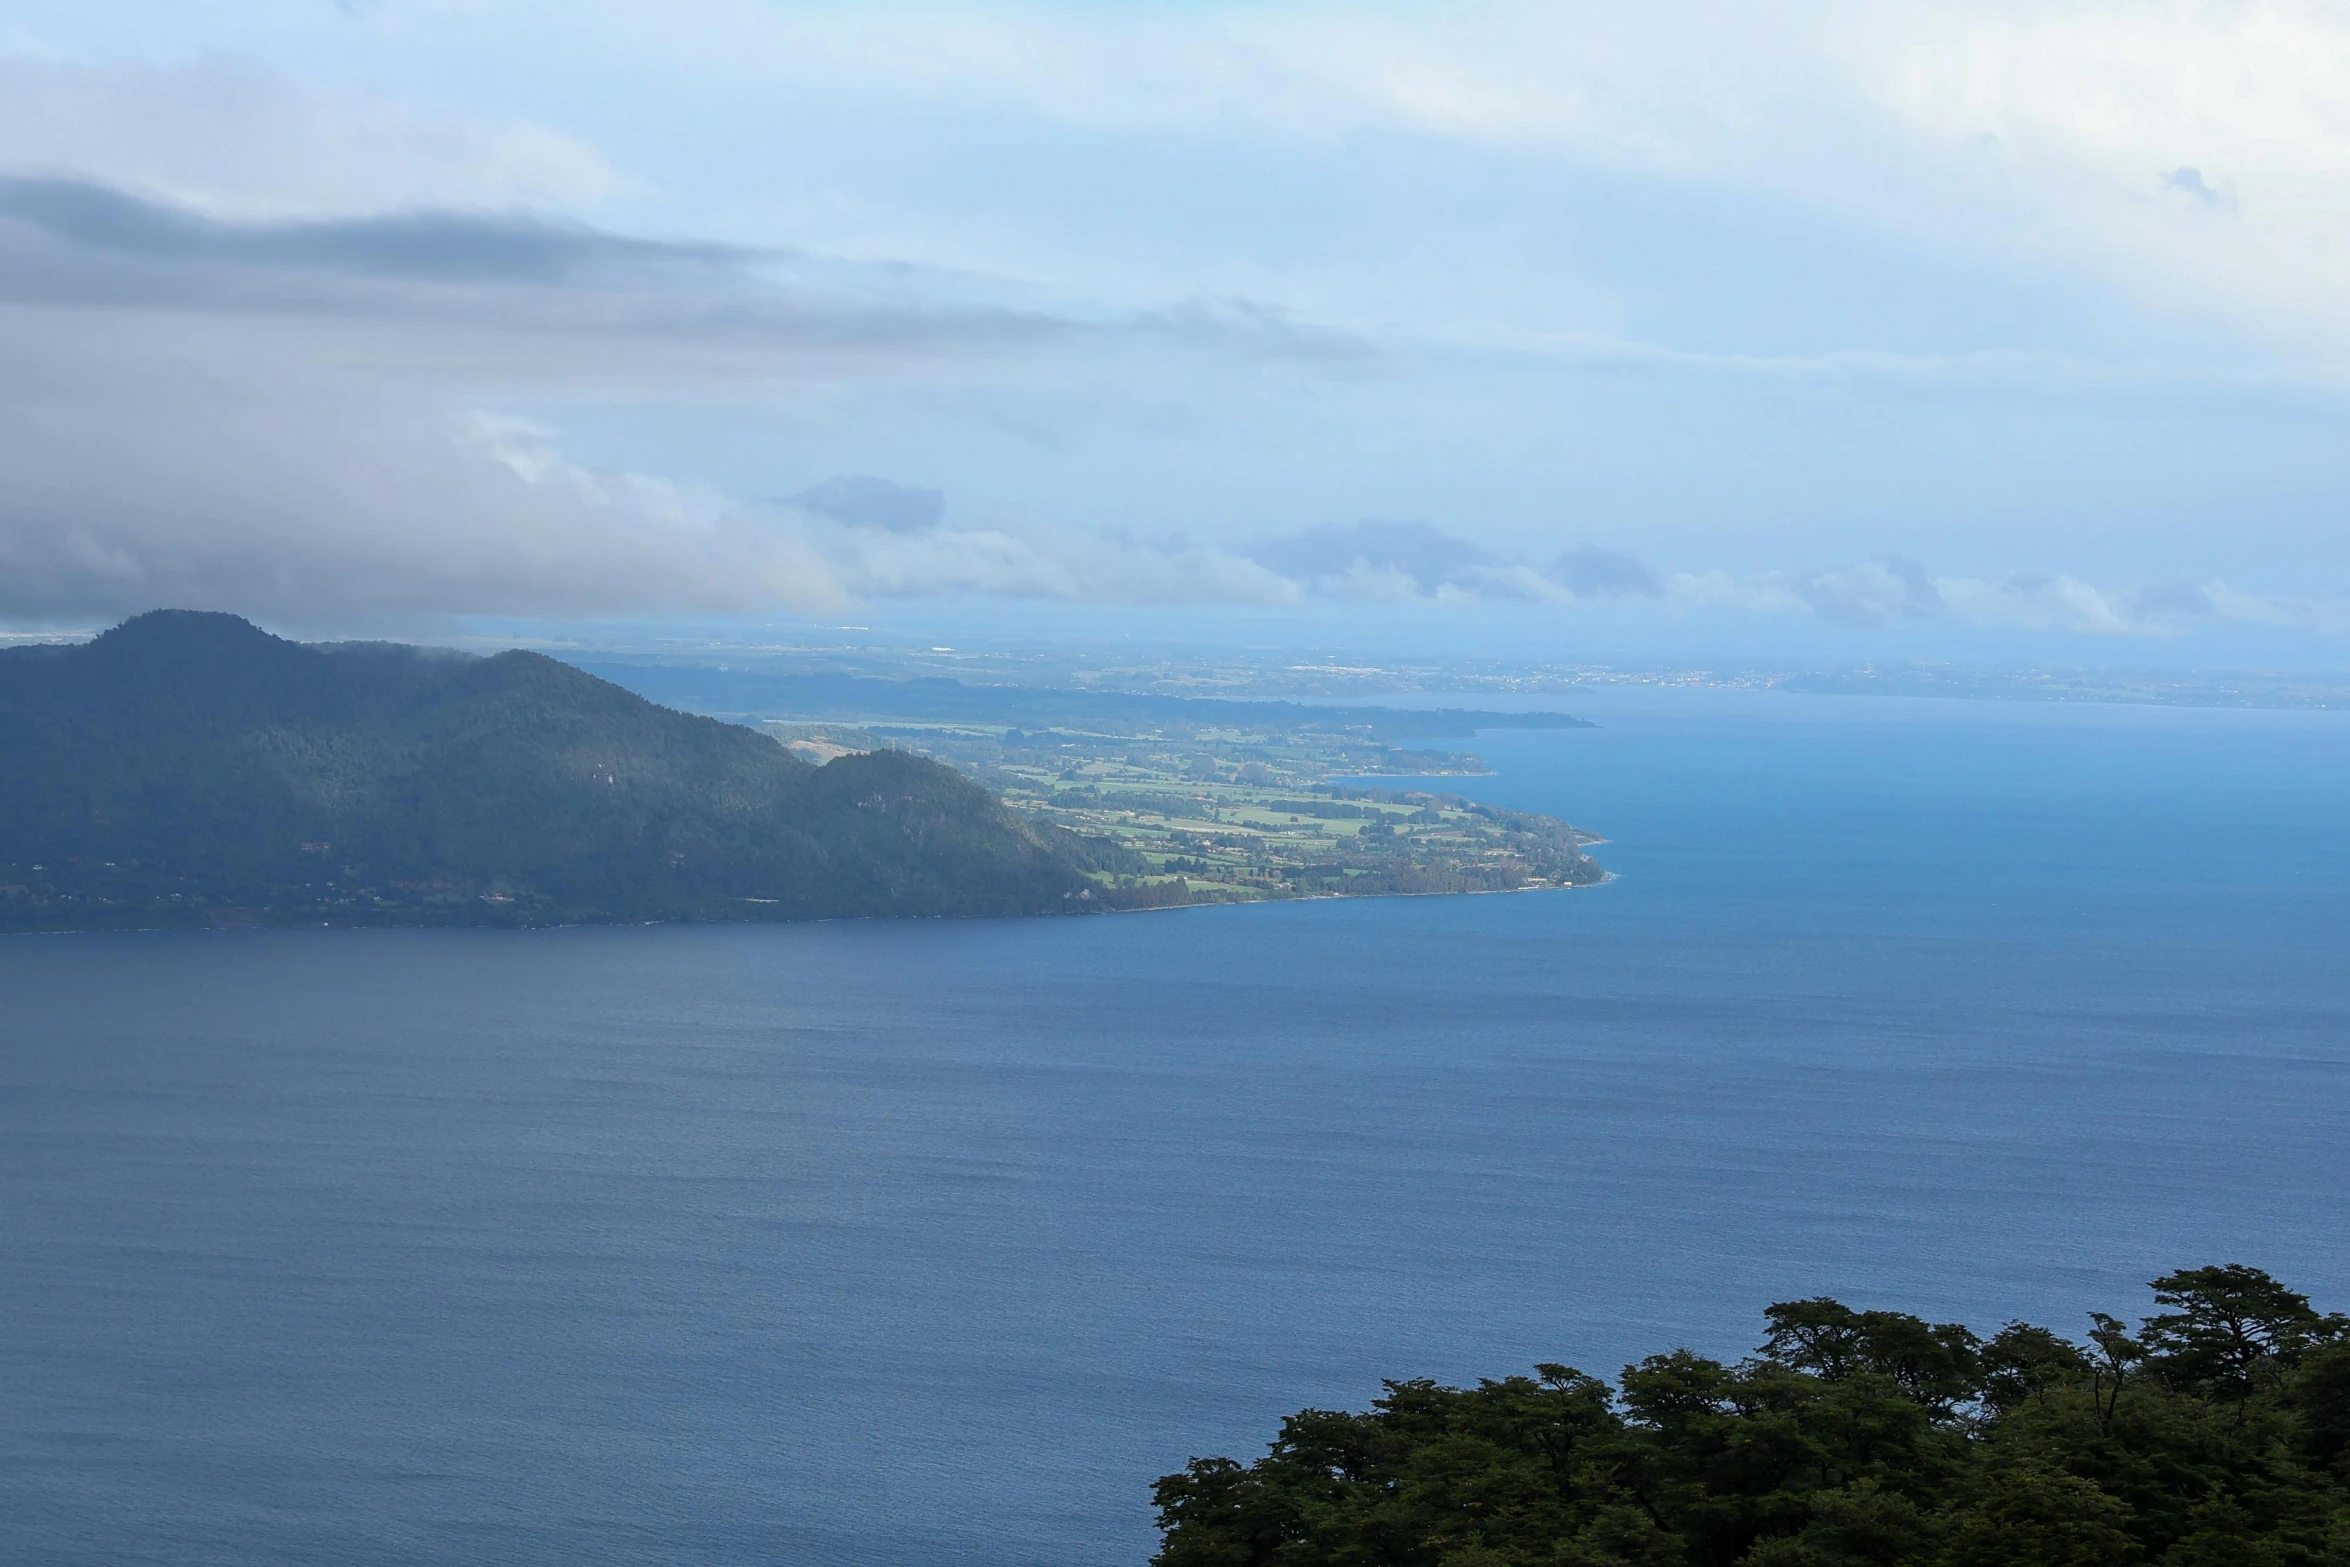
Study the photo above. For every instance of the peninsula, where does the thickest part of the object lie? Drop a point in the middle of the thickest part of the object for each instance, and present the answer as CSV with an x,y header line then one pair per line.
x,y
190,769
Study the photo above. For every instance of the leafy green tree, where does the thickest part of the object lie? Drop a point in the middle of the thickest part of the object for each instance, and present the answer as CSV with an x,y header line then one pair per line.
x,y
2024,1362
1938,1364
2030,1516
2229,1327
2217,1435
2320,1394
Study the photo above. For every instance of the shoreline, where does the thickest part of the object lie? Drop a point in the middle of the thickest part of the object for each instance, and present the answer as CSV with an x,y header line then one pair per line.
x,y
246,926
1605,877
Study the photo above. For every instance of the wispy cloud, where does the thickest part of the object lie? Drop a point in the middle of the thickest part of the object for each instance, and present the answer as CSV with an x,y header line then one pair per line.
x,y
1591,572
2048,135
530,298
236,140
1879,594
431,245
1416,561
286,416
1229,269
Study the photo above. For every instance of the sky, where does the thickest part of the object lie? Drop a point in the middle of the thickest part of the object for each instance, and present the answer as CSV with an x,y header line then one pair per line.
x,y
1964,329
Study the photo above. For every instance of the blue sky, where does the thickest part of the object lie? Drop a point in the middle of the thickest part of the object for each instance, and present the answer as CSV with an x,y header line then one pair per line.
x,y
1954,329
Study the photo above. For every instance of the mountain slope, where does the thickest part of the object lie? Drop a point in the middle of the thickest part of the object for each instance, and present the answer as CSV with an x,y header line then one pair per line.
x,y
190,768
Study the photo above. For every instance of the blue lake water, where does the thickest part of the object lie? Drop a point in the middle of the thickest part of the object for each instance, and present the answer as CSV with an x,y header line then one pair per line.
x,y
934,1242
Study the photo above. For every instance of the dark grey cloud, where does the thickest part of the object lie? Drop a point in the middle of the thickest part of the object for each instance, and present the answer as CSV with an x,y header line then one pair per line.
x,y
282,417
865,502
495,295
81,242
286,418
446,246
1588,571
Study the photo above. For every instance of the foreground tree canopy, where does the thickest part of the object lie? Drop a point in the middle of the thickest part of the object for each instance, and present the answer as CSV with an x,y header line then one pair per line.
x,y
2214,1434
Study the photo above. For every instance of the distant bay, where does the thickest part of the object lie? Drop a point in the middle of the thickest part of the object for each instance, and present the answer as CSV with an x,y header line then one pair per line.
x,y
933,1242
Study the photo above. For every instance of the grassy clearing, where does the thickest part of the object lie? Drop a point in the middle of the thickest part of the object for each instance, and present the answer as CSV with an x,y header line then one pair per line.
x,y
1222,817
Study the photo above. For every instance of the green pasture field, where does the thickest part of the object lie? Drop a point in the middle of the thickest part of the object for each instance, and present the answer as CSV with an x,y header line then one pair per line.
x,y
1221,817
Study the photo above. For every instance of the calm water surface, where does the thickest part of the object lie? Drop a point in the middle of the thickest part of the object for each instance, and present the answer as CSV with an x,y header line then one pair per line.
x,y
933,1243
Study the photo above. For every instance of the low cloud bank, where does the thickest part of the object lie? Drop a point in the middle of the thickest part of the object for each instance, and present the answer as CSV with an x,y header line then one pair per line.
x,y
281,416
1416,561
313,499
1880,594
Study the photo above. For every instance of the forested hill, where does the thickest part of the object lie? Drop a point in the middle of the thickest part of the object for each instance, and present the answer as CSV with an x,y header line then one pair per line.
x,y
188,768
2213,1433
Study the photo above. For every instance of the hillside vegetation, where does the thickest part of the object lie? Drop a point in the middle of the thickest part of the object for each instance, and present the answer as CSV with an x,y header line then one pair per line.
x,y
188,768
2216,1433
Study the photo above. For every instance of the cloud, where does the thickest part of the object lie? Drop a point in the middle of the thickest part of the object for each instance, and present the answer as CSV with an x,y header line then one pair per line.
x,y
1880,594
141,473
1394,561
1375,560
1587,571
328,504
186,460
236,141
2192,183
1871,594
429,245
184,457
880,539
1876,593
2028,135
290,416
1260,330
521,299
1074,565
440,534
2059,602
286,416
258,334
866,502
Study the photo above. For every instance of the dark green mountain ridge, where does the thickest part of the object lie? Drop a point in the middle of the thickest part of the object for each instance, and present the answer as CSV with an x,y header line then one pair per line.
x,y
189,768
